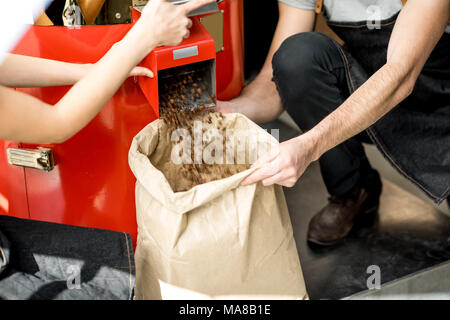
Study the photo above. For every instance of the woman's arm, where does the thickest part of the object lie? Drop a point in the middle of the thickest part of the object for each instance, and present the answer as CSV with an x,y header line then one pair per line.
x,y
19,71
27,119
419,27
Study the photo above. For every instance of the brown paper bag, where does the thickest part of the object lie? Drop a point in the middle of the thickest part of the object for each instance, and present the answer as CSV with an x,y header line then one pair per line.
x,y
217,240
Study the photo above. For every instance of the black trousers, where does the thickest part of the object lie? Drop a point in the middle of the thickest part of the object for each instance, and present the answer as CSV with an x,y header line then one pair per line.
x,y
311,78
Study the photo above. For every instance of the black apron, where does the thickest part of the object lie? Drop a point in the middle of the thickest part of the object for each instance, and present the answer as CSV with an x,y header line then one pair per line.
x,y
415,136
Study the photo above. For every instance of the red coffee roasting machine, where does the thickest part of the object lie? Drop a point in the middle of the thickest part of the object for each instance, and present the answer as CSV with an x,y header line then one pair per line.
x,y
86,180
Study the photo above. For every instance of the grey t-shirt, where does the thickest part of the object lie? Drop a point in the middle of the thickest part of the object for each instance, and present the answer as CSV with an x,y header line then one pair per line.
x,y
354,10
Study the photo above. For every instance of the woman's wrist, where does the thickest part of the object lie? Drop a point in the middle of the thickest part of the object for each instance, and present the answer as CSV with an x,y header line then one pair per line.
x,y
122,50
142,40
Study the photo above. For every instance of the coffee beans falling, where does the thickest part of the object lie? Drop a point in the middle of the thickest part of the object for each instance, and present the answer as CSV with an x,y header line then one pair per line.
x,y
180,107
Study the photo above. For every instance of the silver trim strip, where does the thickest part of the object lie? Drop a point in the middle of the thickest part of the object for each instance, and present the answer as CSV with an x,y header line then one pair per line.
x,y
185,53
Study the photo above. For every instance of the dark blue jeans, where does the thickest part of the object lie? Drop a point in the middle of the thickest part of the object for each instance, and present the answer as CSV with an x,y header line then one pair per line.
x,y
310,75
54,261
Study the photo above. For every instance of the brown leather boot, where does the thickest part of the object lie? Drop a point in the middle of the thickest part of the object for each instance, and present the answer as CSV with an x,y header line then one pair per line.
x,y
335,221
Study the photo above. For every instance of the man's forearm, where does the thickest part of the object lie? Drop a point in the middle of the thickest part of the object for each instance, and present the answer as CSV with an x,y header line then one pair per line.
x,y
382,92
19,71
409,47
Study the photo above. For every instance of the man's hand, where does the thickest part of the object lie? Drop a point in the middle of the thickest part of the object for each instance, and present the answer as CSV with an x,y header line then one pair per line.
x,y
249,103
226,107
284,165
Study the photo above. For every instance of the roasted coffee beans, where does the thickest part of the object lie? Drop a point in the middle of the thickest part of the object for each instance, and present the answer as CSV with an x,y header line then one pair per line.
x,y
179,111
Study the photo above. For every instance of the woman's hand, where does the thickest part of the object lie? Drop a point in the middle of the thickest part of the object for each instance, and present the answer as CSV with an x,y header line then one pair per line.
x,y
165,24
285,164
141,71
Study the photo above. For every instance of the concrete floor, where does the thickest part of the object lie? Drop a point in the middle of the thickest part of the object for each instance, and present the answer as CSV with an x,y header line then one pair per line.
x,y
409,236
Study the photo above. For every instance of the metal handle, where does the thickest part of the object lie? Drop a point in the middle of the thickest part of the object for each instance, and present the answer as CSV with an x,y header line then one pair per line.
x,y
40,158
